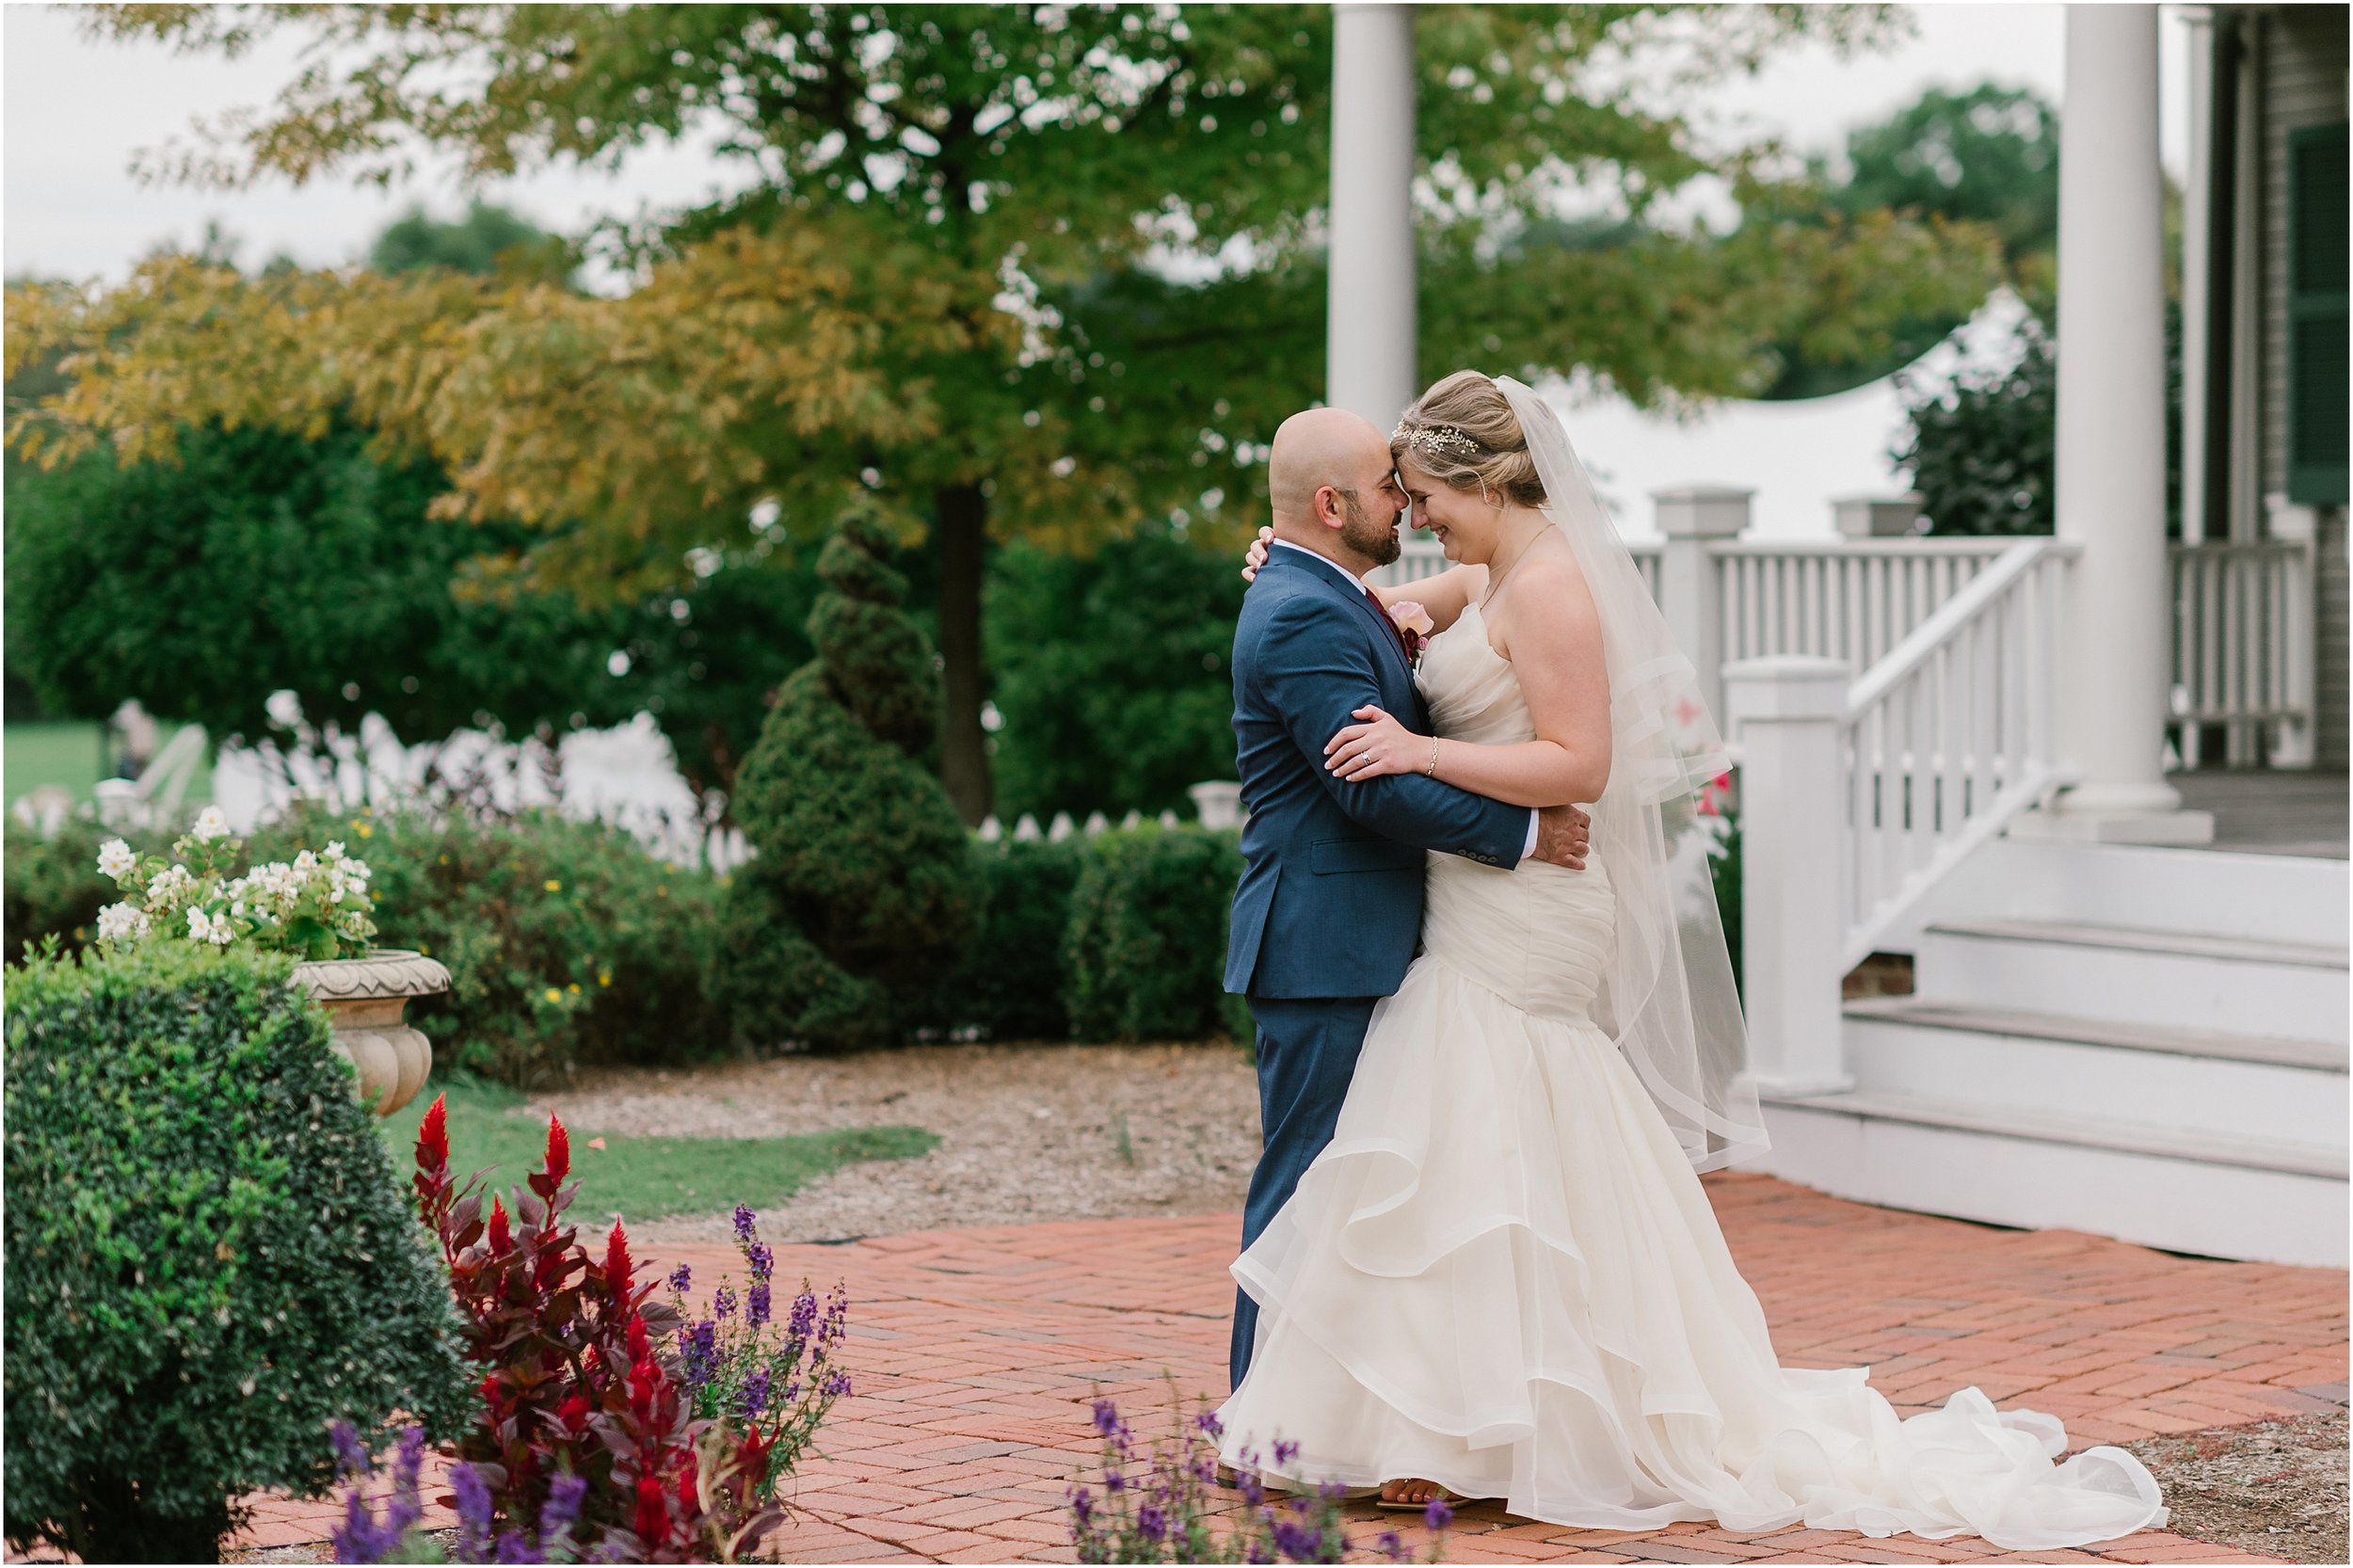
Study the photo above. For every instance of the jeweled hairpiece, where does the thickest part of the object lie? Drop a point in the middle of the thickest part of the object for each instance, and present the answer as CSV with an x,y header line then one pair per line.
x,y
1442,438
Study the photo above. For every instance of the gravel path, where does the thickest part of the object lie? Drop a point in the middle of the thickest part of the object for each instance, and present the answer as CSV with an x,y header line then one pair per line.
x,y
2276,1487
1027,1132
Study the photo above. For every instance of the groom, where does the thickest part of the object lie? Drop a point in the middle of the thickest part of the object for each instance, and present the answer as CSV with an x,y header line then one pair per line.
x,y
1329,906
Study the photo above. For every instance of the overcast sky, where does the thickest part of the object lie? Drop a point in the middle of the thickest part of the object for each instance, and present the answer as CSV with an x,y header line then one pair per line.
x,y
77,112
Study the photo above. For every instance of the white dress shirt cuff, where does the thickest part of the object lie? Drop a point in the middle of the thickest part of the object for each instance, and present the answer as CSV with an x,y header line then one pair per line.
x,y
1532,820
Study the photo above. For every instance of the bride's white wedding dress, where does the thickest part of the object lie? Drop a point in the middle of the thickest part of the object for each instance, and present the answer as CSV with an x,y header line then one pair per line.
x,y
1504,1276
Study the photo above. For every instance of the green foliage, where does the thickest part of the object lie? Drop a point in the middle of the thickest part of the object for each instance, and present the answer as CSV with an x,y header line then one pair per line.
x,y
640,1178
207,1256
53,886
1111,675
1010,986
1146,941
864,886
1982,450
566,941
265,561
488,239
1987,156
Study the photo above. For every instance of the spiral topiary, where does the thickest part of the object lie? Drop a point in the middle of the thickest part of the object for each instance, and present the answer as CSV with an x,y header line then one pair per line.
x,y
864,885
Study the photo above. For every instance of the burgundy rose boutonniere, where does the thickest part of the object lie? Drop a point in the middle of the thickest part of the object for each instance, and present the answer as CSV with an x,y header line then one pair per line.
x,y
1414,625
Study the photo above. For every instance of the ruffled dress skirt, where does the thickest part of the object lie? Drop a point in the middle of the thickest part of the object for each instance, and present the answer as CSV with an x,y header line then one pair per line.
x,y
1502,1275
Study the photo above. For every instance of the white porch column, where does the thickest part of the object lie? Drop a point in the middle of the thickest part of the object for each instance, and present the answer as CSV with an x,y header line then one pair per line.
x,y
2110,496
1785,712
1369,331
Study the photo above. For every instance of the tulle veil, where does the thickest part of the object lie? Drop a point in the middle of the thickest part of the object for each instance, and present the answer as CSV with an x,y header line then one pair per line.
x,y
1667,997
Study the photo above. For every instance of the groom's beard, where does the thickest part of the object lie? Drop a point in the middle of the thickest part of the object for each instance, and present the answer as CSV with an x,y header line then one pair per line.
x,y
1378,542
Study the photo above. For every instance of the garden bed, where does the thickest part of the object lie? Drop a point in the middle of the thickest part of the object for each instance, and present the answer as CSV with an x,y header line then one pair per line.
x,y
1027,1132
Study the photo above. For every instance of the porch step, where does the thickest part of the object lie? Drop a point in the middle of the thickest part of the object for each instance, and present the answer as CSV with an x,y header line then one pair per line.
x,y
2296,898
2258,986
2232,1085
2214,1194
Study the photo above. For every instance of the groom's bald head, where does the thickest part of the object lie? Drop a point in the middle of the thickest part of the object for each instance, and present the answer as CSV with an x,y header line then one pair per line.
x,y
1325,479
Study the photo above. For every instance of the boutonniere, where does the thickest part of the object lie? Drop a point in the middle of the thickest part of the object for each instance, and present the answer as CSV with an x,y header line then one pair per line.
x,y
1415,626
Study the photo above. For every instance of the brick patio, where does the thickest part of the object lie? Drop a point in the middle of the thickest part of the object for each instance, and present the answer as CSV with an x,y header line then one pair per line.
x,y
976,1353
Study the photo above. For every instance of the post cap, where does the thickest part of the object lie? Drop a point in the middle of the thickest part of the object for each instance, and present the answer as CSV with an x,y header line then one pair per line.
x,y
1702,511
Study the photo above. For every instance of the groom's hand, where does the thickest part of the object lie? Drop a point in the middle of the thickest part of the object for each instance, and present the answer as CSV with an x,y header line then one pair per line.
x,y
1563,834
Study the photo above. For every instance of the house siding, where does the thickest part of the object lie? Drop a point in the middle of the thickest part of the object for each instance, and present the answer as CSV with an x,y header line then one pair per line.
x,y
2301,82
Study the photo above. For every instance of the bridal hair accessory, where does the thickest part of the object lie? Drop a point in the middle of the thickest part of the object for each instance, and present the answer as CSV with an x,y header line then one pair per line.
x,y
1442,438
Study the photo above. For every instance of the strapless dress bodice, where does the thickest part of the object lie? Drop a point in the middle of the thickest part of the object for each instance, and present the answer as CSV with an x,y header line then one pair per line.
x,y
1537,935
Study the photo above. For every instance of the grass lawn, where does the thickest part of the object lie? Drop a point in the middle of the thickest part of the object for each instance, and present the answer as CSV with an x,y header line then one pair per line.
x,y
69,754
639,1178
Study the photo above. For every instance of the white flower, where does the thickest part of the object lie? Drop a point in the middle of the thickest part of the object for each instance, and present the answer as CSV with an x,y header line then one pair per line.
x,y
115,860
204,927
122,923
304,864
334,849
211,822
169,884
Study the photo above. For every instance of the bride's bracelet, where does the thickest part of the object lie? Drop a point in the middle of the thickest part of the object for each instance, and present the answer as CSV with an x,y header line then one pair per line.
x,y
1431,771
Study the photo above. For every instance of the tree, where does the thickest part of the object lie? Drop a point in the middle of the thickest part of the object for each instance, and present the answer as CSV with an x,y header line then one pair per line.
x,y
1982,450
485,240
1988,157
950,285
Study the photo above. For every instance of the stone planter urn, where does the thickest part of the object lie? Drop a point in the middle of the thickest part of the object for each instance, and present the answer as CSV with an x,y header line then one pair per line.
x,y
366,999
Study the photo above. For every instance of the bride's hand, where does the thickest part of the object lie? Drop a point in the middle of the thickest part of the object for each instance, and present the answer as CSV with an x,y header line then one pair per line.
x,y
1377,746
1256,557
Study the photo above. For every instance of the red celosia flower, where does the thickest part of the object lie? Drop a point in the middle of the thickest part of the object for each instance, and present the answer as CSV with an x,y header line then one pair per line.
x,y
559,1152
433,1136
689,1498
574,1414
618,1266
640,1343
502,1235
652,1523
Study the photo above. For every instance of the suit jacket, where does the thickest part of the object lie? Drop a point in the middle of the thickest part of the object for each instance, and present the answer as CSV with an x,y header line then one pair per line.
x,y
1330,899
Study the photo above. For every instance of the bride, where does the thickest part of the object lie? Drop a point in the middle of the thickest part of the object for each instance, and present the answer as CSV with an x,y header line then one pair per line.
x,y
1503,1278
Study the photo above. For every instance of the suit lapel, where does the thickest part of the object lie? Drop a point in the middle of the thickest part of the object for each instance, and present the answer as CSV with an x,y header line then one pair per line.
x,y
1331,578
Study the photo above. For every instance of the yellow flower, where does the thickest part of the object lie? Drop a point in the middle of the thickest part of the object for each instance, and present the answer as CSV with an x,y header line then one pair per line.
x,y
555,995
573,987
605,977
364,829
553,886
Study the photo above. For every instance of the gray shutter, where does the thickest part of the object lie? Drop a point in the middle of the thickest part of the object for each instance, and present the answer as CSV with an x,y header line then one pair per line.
x,y
2319,408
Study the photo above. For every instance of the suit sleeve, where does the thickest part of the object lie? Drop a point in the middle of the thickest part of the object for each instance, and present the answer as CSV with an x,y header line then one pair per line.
x,y
1315,664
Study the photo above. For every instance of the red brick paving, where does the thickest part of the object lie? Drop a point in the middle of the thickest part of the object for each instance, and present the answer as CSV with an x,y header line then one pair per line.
x,y
976,1353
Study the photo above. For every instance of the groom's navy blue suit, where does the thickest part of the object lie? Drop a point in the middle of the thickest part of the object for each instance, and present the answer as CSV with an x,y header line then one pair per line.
x,y
1329,907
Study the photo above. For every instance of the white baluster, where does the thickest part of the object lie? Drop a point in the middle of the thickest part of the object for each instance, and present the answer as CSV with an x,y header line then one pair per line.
x,y
1690,518
1025,831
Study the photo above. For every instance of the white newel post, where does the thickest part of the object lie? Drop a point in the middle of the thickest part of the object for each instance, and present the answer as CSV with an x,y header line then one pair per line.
x,y
1368,336
1691,594
2294,743
2117,640
1785,714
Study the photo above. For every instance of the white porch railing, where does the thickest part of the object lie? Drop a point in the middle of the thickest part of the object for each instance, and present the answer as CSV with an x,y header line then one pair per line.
x,y
2242,647
1846,598
1858,795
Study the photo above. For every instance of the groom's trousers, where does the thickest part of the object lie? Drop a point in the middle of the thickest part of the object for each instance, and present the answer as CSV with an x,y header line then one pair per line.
x,y
1307,1049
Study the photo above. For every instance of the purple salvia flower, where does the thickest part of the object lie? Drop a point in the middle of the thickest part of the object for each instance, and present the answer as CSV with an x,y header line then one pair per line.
x,y
351,1455
746,1224
699,1353
755,1394
723,1303
1082,1505
1391,1547
836,1384
763,1261
566,1494
1299,1542
407,1507
1151,1522
804,1320
1437,1516
755,1308
680,1277
473,1513
792,1391
515,1546
1106,1417
1284,1451
1114,1481
1209,1424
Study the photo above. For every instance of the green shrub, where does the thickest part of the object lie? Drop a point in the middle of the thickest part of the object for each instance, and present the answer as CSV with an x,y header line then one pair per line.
x,y
208,1257
865,887
1146,941
53,886
1010,986
566,942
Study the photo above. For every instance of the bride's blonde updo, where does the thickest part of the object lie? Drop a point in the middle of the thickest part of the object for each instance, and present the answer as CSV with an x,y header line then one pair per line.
x,y
1463,433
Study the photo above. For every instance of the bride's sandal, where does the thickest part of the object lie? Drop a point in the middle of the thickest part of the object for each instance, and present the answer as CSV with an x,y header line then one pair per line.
x,y
1398,1505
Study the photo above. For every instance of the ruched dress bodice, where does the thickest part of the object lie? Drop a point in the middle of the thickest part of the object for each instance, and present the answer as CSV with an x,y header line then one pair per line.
x,y
1537,935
